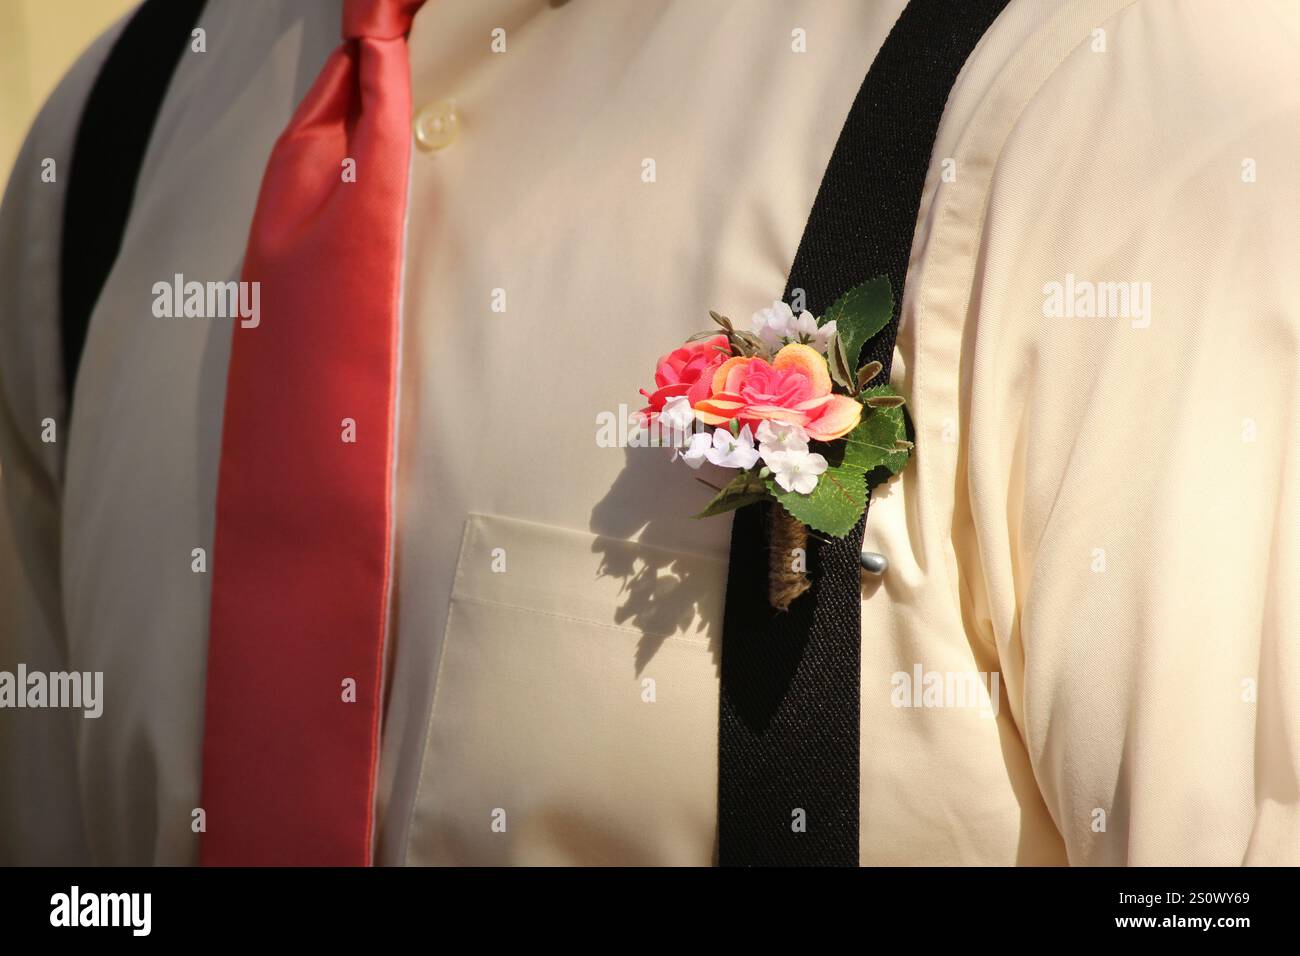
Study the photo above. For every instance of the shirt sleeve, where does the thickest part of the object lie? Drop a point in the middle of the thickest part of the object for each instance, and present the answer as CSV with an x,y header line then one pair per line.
x,y
1129,421
40,804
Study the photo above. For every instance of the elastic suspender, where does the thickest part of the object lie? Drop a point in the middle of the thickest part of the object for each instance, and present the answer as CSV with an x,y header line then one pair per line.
x,y
789,737
112,136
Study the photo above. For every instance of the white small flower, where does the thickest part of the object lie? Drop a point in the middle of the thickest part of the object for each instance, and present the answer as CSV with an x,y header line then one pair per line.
x,y
821,341
677,414
796,470
701,444
732,451
780,436
775,326
778,326
805,328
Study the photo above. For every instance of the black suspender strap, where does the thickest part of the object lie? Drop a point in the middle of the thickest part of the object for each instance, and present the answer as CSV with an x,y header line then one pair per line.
x,y
114,131
789,737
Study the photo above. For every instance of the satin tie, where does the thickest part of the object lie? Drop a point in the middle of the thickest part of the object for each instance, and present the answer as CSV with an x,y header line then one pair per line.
x,y
302,556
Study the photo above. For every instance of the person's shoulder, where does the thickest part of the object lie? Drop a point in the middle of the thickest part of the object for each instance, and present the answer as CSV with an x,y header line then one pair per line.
x,y
1141,85
1113,179
33,199
31,225
53,130
1089,114
1182,114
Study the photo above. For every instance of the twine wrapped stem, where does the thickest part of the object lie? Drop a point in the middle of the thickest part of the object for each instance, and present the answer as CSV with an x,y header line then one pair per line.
x,y
787,540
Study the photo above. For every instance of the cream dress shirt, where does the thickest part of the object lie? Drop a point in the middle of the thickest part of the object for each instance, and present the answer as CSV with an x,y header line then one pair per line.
x,y
1101,514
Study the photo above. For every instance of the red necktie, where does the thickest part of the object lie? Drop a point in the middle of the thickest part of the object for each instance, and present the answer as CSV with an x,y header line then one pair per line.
x,y
302,557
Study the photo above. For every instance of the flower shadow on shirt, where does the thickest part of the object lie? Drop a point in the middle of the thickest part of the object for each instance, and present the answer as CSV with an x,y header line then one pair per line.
x,y
665,592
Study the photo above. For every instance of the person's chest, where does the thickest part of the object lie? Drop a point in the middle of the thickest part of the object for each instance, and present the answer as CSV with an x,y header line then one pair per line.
x,y
616,171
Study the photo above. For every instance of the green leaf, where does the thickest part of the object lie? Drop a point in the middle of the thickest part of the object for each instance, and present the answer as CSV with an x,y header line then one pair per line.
x,y
722,320
745,489
860,313
839,363
833,507
874,442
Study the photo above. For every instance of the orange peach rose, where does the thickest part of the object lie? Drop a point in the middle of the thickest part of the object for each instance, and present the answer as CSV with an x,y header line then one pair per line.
x,y
795,387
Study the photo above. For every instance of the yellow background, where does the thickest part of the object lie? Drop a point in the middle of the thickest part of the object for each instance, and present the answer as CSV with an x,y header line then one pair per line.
x,y
39,40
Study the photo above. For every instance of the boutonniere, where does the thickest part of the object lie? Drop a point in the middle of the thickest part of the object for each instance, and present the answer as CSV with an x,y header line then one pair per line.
x,y
786,404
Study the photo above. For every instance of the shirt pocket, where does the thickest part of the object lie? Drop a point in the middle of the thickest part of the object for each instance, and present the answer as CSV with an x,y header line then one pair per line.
x,y
574,717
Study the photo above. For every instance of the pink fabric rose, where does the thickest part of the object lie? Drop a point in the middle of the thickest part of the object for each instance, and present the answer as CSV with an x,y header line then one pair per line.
x,y
686,371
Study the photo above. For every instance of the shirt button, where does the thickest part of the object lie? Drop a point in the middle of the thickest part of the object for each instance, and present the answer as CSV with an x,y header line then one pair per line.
x,y
436,126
